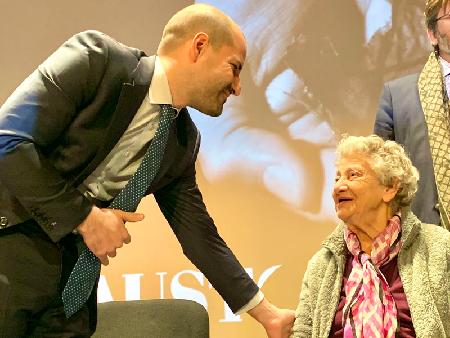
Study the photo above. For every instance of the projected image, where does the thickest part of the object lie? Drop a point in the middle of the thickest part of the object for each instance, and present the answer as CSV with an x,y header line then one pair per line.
x,y
314,70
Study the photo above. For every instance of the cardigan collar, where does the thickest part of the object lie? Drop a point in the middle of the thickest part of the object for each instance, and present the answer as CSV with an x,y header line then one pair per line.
x,y
410,229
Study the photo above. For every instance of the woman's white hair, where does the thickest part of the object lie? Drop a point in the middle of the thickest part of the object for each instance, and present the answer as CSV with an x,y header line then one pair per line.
x,y
388,160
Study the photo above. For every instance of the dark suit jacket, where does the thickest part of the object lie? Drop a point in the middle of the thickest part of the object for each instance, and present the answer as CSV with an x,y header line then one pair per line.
x,y
400,118
64,119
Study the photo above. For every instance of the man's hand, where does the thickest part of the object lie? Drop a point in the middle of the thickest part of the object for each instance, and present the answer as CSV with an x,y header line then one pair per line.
x,y
104,231
277,322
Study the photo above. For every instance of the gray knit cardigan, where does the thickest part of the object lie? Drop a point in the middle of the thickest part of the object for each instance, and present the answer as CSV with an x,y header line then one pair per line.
x,y
424,265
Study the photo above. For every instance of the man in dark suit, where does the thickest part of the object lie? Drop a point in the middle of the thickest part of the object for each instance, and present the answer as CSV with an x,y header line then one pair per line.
x,y
71,137
414,111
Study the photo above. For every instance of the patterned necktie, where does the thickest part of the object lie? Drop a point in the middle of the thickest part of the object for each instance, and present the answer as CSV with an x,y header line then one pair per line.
x,y
87,268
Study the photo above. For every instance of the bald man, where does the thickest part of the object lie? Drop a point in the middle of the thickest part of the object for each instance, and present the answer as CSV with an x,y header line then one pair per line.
x,y
74,133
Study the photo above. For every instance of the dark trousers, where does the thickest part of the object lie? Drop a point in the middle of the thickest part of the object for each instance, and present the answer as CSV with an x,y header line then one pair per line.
x,y
33,272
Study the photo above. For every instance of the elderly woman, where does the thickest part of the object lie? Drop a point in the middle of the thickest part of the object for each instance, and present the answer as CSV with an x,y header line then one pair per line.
x,y
381,273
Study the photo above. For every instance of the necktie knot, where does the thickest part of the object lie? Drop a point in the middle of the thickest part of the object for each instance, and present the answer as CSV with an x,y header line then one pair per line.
x,y
169,110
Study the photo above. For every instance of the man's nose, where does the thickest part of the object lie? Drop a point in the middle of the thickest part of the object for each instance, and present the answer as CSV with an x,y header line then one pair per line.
x,y
236,86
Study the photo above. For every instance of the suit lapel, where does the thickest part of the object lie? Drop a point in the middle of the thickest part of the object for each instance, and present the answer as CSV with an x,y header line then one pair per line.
x,y
130,99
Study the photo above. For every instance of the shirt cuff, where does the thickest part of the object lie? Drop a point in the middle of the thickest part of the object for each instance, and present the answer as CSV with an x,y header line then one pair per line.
x,y
251,304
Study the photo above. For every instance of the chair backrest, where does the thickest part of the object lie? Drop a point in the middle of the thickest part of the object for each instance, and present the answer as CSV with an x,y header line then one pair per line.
x,y
159,318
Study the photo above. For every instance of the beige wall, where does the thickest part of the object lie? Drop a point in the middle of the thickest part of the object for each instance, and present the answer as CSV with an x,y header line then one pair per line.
x,y
266,165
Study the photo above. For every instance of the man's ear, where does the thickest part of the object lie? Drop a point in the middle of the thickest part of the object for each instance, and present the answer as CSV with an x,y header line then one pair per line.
x,y
432,37
198,45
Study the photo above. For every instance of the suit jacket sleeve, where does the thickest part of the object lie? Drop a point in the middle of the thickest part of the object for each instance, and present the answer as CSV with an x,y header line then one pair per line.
x,y
384,121
33,120
182,205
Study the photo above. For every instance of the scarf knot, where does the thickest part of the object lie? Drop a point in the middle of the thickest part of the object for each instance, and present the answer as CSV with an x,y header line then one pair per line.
x,y
370,310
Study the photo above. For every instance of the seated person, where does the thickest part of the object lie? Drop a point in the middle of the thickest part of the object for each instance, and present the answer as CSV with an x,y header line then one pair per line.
x,y
381,273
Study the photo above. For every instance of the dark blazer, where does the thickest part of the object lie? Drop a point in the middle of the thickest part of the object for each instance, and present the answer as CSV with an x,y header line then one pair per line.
x,y
65,118
400,118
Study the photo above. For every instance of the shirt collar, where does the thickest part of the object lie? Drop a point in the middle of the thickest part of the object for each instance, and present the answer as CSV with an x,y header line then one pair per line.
x,y
159,91
445,66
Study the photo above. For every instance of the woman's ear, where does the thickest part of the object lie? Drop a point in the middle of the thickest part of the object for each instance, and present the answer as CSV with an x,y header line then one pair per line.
x,y
391,191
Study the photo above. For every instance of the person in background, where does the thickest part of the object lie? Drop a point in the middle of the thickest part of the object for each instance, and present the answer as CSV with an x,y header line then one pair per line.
x,y
382,272
90,132
414,111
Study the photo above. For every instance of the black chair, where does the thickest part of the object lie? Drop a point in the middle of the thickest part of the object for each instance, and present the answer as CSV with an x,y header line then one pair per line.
x,y
159,318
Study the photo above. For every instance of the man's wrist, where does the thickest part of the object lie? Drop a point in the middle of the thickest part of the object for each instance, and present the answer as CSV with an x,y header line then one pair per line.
x,y
81,228
264,312
251,304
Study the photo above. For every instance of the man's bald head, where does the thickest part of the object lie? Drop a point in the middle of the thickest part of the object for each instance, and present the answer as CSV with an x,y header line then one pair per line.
x,y
193,19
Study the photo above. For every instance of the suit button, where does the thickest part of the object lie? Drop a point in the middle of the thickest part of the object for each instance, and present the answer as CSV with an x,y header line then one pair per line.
x,y
3,222
436,206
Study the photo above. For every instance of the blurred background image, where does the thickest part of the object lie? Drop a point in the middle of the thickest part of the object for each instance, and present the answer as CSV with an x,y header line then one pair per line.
x,y
314,70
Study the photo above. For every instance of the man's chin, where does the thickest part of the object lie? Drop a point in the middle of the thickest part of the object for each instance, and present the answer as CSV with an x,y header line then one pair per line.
x,y
212,112
217,113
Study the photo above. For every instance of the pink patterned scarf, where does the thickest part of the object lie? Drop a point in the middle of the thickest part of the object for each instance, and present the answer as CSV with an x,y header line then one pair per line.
x,y
370,310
